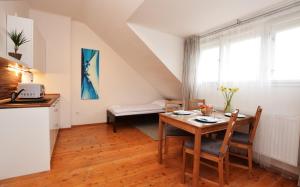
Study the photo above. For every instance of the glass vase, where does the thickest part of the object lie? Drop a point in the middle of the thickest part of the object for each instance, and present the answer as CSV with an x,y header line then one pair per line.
x,y
228,107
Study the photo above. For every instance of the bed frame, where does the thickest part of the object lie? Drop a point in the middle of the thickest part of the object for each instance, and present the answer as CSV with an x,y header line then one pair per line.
x,y
113,120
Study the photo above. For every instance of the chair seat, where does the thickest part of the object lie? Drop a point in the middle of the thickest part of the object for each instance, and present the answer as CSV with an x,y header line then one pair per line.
x,y
173,131
240,137
207,145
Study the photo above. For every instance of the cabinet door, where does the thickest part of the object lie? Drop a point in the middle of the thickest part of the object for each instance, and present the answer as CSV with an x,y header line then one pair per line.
x,y
54,124
26,25
56,118
2,31
39,47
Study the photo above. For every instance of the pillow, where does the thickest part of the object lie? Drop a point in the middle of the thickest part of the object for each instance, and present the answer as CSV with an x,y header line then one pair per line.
x,y
160,103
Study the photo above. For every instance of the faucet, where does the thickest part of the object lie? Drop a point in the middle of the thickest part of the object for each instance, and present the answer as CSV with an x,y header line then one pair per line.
x,y
14,95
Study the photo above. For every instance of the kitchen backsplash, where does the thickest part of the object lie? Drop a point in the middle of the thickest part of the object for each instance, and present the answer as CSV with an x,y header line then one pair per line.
x,y
8,80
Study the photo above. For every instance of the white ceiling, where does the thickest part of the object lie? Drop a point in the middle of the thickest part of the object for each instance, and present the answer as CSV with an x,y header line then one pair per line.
x,y
71,8
109,19
187,17
178,17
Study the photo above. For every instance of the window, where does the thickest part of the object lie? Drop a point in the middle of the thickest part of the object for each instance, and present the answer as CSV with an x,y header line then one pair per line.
x,y
208,68
286,55
241,60
268,51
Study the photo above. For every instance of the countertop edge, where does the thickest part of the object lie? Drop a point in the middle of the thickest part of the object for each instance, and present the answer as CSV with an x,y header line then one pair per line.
x,y
53,98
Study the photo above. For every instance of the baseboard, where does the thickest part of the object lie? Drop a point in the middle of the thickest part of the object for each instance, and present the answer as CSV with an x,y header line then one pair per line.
x,y
90,124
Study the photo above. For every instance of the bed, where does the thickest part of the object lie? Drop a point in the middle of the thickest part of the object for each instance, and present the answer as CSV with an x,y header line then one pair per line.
x,y
121,111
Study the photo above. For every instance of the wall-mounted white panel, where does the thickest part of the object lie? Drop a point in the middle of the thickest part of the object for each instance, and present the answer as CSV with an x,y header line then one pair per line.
x,y
19,8
39,47
2,31
26,25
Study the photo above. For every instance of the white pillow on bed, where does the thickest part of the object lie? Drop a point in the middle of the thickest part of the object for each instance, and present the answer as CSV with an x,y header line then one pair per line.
x,y
160,103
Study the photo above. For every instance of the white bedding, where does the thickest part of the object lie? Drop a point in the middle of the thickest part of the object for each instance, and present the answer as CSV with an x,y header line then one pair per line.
x,y
125,110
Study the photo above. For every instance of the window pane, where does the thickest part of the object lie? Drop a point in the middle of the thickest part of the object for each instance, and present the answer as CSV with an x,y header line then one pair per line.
x,y
242,60
287,55
208,68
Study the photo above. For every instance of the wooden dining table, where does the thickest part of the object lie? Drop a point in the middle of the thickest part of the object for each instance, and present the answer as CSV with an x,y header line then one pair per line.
x,y
189,124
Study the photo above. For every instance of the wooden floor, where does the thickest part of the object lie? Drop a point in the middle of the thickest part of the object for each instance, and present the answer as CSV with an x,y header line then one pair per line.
x,y
94,156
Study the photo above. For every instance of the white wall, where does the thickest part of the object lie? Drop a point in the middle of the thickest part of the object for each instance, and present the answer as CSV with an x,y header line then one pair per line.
x,y
168,48
119,83
56,30
18,8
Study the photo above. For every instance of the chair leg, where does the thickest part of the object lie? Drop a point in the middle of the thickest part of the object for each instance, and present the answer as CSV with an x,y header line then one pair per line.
x,y
227,168
182,145
183,165
114,127
166,145
250,161
221,172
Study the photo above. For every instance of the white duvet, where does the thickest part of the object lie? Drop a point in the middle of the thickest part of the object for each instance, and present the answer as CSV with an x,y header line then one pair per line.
x,y
154,107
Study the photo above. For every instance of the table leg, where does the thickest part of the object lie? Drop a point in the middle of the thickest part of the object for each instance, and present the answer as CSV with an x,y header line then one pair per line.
x,y
196,164
160,140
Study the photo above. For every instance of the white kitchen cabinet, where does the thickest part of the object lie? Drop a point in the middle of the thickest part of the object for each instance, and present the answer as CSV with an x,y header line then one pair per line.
x,y
54,123
26,25
2,31
27,139
34,51
39,51
19,8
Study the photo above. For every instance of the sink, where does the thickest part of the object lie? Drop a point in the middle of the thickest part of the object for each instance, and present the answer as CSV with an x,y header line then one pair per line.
x,y
29,101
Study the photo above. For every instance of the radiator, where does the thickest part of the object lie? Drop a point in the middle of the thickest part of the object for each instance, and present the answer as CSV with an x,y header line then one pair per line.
x,y
278,138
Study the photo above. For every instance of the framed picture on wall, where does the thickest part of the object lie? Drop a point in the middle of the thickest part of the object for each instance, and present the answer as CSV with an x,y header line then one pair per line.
x,y
90,74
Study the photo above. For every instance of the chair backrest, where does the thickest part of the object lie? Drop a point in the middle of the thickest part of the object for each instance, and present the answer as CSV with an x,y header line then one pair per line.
x,y
255,123
230,127
172,105
195,104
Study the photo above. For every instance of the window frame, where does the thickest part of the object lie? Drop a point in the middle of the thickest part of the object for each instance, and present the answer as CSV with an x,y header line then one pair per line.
x,y
276,26
267,31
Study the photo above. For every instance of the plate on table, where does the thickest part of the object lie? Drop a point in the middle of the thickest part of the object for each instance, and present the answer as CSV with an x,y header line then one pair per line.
x,y
239,115
207,119
182,112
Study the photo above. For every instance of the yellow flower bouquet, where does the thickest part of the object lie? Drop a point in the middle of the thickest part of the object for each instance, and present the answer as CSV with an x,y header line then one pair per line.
x,y
228,94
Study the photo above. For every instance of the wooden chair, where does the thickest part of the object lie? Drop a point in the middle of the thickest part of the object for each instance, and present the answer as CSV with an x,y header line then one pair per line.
x,y
172,105
170,131
194,104
245,141
213,150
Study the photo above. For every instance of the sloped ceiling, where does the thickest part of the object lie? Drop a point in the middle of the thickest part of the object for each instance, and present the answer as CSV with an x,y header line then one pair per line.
x,y
188,17
70,8
110,18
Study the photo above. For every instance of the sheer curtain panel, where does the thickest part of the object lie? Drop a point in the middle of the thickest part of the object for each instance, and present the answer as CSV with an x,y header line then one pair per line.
x,y
262,59
190,63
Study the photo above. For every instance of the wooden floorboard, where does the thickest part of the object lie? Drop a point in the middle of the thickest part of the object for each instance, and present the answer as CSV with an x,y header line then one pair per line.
x,y
94,156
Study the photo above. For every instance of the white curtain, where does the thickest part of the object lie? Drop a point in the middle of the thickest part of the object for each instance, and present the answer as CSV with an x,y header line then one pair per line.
x,y
190,66
261,59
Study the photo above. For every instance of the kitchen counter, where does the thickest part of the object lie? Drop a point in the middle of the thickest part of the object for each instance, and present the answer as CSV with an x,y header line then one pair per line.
x,y
28,135
51,97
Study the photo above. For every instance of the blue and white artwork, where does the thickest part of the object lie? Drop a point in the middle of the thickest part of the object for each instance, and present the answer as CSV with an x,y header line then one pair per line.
x,y
89,74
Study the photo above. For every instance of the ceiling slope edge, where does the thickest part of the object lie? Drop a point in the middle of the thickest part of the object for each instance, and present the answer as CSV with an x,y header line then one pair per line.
x,y
166,47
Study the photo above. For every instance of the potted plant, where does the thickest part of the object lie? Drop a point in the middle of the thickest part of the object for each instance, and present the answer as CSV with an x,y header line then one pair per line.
x,y
18,39
206,110
228,94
